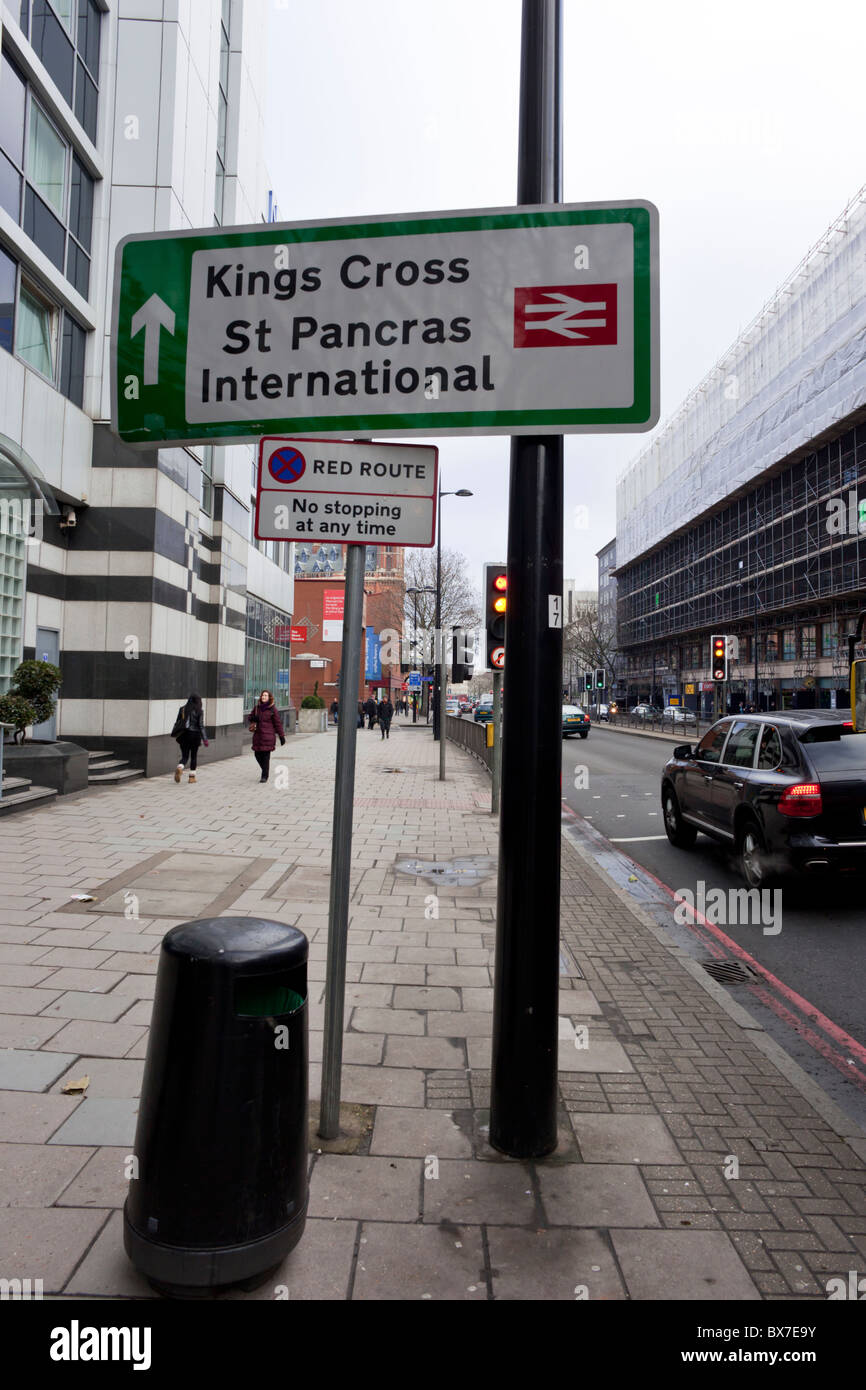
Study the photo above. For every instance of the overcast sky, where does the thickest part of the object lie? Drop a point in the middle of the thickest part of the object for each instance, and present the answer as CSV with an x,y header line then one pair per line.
x,y
742,122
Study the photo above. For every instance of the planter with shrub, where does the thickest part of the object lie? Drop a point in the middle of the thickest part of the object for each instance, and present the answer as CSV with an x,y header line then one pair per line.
x,y
313,716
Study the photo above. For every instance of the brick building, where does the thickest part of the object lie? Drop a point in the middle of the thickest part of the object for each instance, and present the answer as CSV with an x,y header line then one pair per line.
x,y
319,589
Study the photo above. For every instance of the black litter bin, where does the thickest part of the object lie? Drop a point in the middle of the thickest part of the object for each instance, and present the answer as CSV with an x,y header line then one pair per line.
x,y
221,1143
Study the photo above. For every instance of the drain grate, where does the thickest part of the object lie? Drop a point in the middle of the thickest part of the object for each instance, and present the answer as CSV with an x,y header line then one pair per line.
x,y
728,972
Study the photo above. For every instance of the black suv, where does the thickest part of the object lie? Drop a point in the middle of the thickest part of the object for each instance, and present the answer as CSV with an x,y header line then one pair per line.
x,y
786,791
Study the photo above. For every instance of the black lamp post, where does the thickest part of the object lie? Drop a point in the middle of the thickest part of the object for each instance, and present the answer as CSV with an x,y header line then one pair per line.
x,y
415,592
464,492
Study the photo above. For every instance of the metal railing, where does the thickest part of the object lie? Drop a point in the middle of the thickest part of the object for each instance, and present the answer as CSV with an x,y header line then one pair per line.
x,y
471,736
684,731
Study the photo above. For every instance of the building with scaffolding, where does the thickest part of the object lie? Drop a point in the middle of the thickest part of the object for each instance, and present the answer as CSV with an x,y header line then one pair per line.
x,y
746,515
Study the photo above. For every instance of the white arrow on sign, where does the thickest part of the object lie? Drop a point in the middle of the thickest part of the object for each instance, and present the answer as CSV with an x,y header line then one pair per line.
x,y
152,316
566,322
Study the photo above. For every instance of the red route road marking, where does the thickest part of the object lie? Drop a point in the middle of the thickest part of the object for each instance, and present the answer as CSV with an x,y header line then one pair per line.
x,y
809,1011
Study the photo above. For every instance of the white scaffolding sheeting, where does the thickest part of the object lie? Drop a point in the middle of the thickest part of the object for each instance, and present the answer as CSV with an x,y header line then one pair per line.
x,y
797,369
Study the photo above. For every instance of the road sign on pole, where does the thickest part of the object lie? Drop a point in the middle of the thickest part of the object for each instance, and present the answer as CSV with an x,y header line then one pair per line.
x,y
537,320
364,494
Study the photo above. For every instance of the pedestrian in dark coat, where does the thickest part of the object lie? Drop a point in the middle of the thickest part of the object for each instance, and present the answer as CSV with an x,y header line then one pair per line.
x,y
267,727
385,712
190,735
335,710
360,715
370,711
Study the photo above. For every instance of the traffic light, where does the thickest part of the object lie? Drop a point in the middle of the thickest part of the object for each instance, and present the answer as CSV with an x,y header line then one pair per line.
x,y
587,681
600,681
719,658
462,656
495,605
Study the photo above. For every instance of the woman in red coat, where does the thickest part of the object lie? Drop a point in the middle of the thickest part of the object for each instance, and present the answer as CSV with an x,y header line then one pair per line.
x,y
267,727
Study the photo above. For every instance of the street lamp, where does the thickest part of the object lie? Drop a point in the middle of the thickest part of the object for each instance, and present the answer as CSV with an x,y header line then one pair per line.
x,y
415,592
437,675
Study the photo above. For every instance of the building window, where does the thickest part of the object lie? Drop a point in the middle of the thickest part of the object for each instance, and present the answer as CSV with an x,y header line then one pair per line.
x,y
267,660
43,183
789,644
46,159
207,479
13,95
829,640
68,45
34,333
808,643
40,333
222,110
8,283
72,361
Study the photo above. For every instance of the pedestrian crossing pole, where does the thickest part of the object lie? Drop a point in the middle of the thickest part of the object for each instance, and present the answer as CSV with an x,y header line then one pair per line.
x,y
523,1101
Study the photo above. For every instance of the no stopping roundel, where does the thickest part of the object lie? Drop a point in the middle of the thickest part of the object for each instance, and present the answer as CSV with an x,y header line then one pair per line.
x,y
287,465
497,658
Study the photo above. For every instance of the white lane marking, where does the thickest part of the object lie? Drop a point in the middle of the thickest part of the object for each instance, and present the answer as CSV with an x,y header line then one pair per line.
x,y
652,813
632,839
620,817
625,794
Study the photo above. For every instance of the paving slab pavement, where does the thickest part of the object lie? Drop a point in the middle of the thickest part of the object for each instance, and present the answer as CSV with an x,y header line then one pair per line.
x,y
694,1162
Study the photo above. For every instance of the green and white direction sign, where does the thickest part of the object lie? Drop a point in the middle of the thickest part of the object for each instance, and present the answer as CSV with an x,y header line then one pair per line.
x,y
537,320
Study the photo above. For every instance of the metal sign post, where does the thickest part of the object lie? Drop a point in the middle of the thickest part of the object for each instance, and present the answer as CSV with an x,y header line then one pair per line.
x,y
523,1100
360,493
443,701
341,850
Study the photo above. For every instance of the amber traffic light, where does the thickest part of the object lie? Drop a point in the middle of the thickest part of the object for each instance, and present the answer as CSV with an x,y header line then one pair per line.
x,y
495,609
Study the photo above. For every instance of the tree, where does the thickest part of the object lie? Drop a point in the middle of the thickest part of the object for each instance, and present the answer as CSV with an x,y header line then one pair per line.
x,y
30,698
14,709
588,644
460,601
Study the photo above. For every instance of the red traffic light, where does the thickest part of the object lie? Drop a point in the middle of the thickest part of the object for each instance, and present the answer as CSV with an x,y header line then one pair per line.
x,y
501,582
720,658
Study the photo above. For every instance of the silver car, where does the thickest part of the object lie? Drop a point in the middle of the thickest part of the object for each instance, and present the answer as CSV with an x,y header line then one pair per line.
x,y
675,714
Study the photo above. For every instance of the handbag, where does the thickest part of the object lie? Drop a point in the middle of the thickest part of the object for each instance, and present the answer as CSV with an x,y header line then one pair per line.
x,y
178,726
